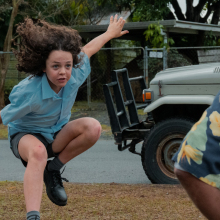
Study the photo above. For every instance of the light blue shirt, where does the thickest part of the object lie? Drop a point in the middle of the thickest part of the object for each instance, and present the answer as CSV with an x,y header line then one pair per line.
x,y
36,108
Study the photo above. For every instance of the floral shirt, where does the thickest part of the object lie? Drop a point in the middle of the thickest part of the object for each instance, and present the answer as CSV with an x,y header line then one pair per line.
x,y
199,153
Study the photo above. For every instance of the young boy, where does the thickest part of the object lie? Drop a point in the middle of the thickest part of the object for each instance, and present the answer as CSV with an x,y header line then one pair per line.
x,y
41,105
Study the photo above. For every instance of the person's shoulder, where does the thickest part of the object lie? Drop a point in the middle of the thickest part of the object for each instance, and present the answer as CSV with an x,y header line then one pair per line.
x,y
29,85
85,58
82,70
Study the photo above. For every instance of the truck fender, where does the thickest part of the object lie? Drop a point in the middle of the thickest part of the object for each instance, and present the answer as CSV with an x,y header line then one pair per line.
x,y
180,99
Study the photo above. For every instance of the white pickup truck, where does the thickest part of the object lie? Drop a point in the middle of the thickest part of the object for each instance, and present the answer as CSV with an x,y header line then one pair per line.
x,y
175,100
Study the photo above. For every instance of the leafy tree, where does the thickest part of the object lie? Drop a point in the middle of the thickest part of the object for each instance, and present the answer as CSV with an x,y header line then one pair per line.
x,y
94,10
12,12
4,61
150,10
211,40
155,38
157,10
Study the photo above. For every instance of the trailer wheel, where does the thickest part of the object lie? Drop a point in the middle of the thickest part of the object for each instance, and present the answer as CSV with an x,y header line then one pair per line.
x,y
160,146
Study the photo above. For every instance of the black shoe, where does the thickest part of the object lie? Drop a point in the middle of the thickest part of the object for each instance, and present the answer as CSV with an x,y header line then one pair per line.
x,y
54,186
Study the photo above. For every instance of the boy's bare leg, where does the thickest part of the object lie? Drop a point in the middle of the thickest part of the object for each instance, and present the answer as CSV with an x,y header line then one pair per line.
x,y
204,196
76,137
34,152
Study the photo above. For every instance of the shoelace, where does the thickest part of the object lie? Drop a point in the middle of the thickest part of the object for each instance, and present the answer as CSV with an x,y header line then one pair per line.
x,y
57,179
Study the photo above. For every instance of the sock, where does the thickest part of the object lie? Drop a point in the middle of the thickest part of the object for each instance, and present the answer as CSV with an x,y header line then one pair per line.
x,y
33,215
55,164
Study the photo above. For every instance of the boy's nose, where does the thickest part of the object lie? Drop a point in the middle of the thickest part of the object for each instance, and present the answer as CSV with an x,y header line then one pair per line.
x,y
62,70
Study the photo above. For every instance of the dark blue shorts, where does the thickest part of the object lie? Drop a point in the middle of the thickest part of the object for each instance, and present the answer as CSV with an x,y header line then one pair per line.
x,y
14,140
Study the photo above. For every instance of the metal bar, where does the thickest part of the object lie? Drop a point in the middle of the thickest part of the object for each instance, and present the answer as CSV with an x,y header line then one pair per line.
x,y
119,101
146,65
120,148
142,106
2,52
120,70
124,48
136,78
155,49
132,110
89,90
128,102
206,47
132,144
115,125
134,124
120,113
112,84
164,58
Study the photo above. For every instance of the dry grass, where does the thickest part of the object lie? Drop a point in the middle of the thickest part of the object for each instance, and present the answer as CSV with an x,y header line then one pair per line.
x,y
3,132
141,112
106,130
104,201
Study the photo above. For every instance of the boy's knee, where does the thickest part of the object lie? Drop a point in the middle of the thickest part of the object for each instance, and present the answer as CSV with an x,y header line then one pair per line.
x,y
39,153
94,129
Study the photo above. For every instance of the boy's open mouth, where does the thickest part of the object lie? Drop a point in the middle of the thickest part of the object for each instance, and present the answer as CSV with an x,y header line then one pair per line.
x,y
61,79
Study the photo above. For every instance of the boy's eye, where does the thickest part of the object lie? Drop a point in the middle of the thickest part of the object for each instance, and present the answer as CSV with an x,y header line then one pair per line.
x,y
68,65
55,66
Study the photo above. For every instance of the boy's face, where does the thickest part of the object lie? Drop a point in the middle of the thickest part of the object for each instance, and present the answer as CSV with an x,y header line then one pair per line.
x,y
58,69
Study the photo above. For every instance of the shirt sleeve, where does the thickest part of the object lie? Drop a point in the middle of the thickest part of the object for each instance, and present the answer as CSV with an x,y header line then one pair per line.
x,y
80,74
20,105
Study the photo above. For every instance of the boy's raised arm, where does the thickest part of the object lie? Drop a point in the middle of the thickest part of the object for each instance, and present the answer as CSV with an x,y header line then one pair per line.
x,y
114,30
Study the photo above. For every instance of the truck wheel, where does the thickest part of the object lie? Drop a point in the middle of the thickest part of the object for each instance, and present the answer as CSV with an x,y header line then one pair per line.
x,y
160,146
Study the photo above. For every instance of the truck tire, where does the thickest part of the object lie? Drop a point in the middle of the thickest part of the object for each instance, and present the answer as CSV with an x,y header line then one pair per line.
x,y
159,147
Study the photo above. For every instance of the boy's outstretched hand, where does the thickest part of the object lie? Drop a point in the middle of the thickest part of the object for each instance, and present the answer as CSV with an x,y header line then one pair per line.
x,y
114,30
115,27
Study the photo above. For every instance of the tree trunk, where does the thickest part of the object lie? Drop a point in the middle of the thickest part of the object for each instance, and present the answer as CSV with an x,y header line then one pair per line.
x,y
177,10
5,58
216,14
189,10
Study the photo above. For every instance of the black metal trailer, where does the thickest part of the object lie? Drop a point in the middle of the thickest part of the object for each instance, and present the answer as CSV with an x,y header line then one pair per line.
x,y
125,125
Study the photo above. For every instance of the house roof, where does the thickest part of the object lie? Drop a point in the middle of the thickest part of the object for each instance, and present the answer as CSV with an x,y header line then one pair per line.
x,y
136,29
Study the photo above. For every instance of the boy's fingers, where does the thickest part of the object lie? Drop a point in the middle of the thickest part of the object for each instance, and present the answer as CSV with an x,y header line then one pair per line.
x,y
116,18
124,32
122,22
111,19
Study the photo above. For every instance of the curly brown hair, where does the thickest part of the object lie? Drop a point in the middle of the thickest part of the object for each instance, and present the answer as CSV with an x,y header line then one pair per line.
x,y
38,39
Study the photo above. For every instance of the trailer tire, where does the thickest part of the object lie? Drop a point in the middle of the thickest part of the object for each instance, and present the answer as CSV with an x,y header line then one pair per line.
x,y
160,145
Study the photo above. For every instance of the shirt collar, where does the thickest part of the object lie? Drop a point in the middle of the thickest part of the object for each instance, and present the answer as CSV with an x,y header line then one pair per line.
x,y
47,91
